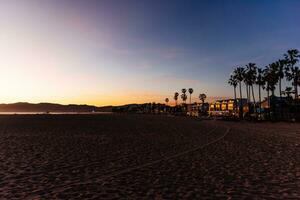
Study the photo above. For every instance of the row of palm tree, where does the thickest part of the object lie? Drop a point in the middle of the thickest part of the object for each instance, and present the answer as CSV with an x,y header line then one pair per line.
x,y
184,97
267,78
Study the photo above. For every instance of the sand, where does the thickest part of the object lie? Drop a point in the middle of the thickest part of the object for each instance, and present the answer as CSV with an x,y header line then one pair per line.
x,y
146,157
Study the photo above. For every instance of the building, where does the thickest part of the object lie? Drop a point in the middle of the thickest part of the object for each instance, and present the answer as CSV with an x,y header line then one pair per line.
x,y
227,107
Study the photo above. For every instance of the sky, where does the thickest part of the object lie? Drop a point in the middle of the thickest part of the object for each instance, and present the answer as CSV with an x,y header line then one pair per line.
x,y
112,52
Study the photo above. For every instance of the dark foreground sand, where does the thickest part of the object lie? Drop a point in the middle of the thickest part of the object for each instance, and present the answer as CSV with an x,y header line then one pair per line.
x,y
146,157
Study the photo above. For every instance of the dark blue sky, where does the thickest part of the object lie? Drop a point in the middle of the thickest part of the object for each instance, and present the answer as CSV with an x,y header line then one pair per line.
x,y
153,48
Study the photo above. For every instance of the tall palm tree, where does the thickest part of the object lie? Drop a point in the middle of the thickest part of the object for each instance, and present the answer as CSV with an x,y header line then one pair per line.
x,y
246,81
183,92
191,92
184,97
292,72
176,94
280,65
261,83
250,78
271,78
202,98
233,82
166,106
167,100
239,75
266,79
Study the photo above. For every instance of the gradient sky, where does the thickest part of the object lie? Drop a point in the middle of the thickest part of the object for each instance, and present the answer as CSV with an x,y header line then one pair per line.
x,y
107,52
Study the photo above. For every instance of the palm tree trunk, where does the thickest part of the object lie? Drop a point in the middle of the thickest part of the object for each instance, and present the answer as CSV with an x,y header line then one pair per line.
x,y
241,105
190,98
268,98
296,90
280,94
268,94
247,93
259,96
296,95
249,90
234,88
253,99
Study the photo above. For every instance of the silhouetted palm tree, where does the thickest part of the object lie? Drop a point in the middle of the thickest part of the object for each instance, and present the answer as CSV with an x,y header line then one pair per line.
x,y
233,82
183,92
250,78
280,65
176,94
245,80
288,91
183,97
191,92
292,72
167,100
261,83
271,78
239,75
202,98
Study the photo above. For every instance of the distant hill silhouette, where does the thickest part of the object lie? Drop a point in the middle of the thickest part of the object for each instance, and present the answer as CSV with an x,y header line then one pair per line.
x,y
51,107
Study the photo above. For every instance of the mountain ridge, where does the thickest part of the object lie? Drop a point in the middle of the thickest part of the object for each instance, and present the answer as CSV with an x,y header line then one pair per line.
x,y
51,107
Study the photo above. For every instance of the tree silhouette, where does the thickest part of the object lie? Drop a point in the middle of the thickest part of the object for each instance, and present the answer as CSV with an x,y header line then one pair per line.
x,y
292,72
261,84
191,92
176,94
167,100
239,75
184,97
250,79
288,91
233,82
202,98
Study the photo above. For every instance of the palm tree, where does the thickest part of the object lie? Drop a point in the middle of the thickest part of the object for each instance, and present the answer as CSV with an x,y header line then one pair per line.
x,y
239,75
233,82
280,65
183,92
191,92
183,97
271,78
176,94
250,78
202,98
288,91
245,80
167,100
292,72
261,83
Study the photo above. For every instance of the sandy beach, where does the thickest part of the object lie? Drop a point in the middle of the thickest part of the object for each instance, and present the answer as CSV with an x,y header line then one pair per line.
x,y
146,157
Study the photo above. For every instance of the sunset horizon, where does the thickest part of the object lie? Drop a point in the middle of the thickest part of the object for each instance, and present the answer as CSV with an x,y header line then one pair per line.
x,y
115,52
